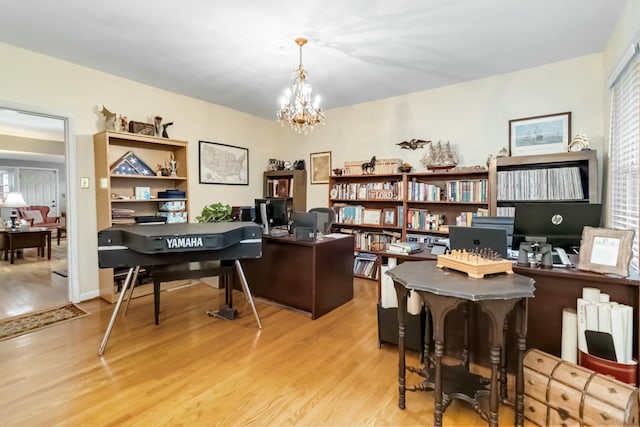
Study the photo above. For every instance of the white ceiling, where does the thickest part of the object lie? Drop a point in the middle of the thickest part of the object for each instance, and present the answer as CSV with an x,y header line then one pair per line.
x,y
241,53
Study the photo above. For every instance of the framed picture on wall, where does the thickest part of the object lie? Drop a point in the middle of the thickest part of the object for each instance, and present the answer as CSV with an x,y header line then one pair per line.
x,y
320,167
540,134
223,164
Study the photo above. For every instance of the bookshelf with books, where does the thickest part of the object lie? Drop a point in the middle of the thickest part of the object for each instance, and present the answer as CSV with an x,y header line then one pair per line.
x,y
440,198
370,207
560,177
289,184
128,186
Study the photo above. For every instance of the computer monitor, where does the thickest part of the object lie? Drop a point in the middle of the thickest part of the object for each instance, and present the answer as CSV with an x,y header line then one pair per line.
x,y
471,238
505,222
558,224
271,212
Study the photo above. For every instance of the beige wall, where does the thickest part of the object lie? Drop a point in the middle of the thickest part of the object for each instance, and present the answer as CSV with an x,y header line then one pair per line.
x,y
35,82
473,116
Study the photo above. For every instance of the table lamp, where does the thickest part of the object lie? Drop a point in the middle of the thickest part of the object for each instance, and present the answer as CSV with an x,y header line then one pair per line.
x,y
14,200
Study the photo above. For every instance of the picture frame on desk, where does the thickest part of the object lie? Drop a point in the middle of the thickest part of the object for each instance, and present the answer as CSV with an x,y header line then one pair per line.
x,y
320,167
223,164
546,134
371,216
605,250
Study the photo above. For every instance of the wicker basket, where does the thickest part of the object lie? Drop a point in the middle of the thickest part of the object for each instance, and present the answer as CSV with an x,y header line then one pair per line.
x,y
383,167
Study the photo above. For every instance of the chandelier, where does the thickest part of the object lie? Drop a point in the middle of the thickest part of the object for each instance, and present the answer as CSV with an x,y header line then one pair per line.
x,y
296,107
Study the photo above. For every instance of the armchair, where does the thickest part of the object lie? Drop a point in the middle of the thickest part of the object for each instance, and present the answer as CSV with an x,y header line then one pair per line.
x,y
38,216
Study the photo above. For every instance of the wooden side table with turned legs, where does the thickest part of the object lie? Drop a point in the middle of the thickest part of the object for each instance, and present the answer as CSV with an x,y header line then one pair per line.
x,y
442,291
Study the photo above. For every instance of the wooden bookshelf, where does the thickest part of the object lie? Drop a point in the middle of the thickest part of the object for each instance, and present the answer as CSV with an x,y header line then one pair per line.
x,y
295,182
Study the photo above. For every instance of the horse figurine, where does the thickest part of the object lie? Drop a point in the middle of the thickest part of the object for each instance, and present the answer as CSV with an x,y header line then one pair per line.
x,y
369,167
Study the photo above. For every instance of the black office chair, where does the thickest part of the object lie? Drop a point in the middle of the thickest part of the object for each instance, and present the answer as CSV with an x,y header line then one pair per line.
x,y
325,218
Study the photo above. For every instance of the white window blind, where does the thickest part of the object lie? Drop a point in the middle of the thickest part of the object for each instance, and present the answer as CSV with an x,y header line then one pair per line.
x,y
624,154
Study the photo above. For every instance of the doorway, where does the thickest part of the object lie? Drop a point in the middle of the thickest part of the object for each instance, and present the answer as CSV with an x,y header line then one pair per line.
x,y
33,147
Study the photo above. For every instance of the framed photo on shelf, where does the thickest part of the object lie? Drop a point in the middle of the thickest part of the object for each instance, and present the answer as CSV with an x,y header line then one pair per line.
x,y
371,216
540,134
223,164
604,250
320,167
389,217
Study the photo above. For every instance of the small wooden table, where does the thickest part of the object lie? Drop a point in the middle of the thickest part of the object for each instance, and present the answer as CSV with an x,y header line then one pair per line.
x,y
35,237
442,291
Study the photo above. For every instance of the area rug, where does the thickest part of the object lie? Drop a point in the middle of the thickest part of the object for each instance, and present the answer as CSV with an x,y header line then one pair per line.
x,y
32,322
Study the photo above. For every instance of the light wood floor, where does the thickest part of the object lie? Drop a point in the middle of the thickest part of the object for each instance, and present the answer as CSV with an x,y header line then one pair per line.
x,y
196,370
30,285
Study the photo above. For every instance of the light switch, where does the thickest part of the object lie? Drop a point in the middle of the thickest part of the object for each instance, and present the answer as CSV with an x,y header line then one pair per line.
x,y
84,182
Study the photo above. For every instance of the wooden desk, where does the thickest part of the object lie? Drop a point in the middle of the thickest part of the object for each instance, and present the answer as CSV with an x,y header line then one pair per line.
x,y
35,237
558,288
314,277
442,291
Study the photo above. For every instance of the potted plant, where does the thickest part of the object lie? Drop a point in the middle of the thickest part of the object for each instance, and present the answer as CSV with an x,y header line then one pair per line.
x,y
215,212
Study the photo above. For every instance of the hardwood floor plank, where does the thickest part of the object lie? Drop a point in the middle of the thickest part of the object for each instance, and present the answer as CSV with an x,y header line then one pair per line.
x,y
193,369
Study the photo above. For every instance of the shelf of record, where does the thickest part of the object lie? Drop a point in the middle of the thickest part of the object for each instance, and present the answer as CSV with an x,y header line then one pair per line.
x,y
385,190
562,183
456,191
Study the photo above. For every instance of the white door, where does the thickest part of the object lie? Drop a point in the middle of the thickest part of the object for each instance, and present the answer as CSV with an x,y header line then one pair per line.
x,y
40,187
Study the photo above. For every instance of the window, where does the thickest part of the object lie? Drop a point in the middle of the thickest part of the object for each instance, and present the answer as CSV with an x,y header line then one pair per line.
x,y
624,154
4,183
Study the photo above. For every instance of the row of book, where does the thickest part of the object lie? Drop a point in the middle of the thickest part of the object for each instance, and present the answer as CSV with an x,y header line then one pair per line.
x,y
422,219
359,215
279,187
372,241
452,191
386,190
563,183
121,216
366,265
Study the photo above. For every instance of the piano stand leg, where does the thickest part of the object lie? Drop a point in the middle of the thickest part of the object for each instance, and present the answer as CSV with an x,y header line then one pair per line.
x,y
247,292
133,285
127,282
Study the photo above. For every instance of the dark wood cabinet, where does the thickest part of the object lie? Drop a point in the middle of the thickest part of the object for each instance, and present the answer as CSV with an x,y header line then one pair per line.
x,y
313,277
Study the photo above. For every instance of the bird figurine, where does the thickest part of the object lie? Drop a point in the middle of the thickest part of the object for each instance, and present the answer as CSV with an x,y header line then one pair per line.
x,y
412,144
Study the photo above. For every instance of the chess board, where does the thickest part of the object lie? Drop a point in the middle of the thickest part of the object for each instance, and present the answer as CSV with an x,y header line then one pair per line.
x,y
473,264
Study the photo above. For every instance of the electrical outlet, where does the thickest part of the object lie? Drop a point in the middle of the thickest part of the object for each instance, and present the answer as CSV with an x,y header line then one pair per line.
x,y
84,182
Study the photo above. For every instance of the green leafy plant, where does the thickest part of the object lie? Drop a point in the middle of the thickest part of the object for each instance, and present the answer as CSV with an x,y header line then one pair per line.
x,y
215,212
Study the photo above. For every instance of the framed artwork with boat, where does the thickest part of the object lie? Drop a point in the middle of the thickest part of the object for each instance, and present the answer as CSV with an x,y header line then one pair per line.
x,y
546,134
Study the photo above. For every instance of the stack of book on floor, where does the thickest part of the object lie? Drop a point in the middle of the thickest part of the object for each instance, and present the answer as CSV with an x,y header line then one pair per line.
x,y
404,247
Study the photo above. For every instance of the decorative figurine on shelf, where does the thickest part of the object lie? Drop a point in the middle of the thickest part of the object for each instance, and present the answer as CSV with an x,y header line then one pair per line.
x,y
405,167
123,123
164,129
413,144
579,143
173,165
109,119
369,167
157,125
440,157
298,165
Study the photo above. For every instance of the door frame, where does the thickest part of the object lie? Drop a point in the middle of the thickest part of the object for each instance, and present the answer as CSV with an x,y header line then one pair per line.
x,y
73,282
